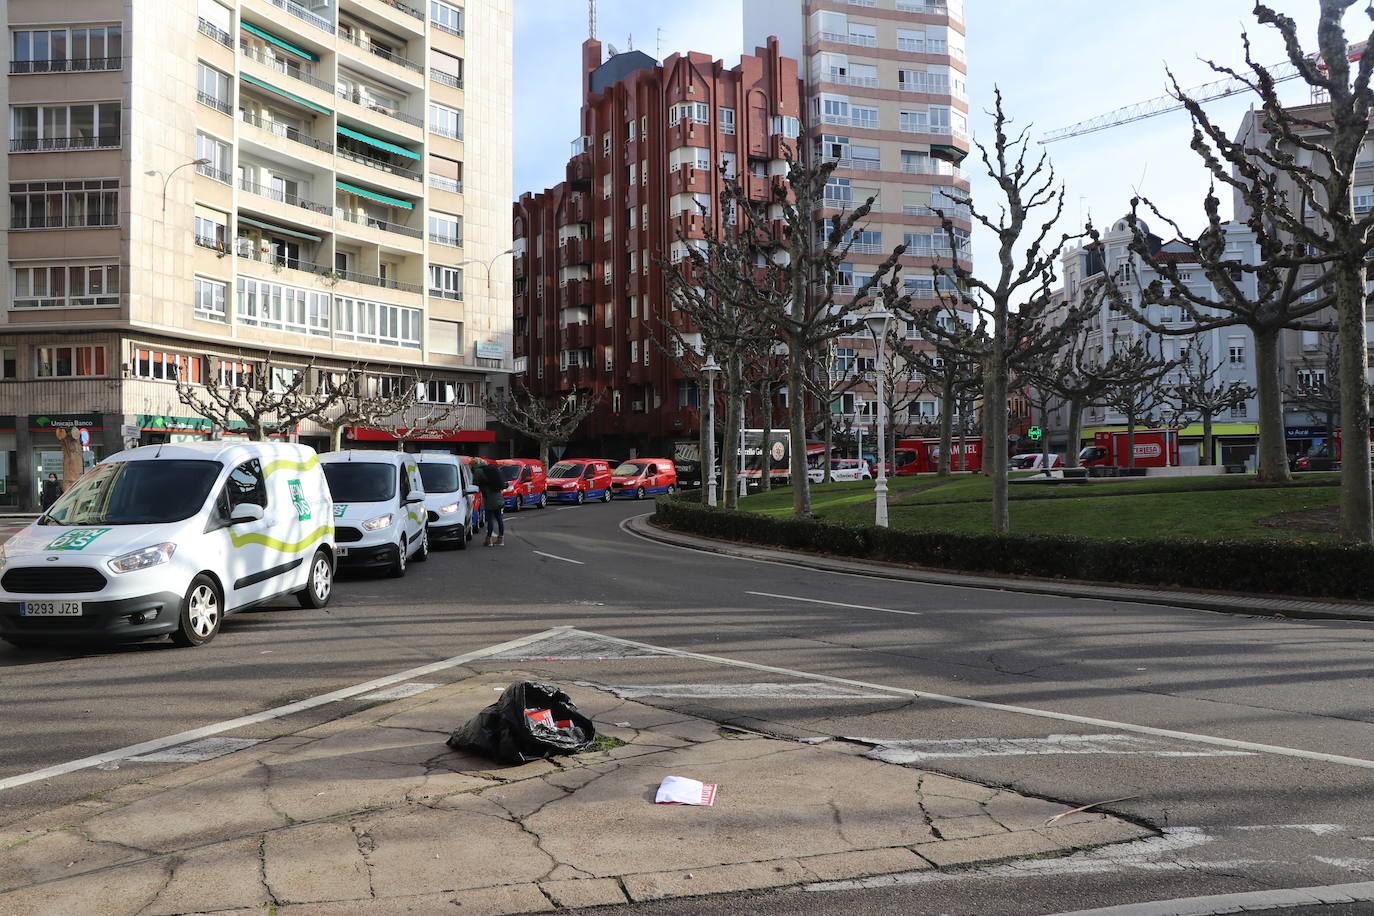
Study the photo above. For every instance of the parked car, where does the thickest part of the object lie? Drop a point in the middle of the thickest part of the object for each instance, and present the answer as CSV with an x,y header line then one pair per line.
x,y
842,469
379,514
576,480
526,482
449,495
1035,461
479,518
640,477
167,540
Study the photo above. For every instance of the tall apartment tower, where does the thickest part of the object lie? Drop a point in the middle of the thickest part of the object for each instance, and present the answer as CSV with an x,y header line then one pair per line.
x,y
644,179
885,99
229,187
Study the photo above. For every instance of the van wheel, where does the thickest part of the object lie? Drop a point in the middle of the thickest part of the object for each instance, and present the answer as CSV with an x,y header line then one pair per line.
x,y
465,536
518,503
320,585
398,565
671,489
423,553
202,611
606,495
639,492
581,497
543,501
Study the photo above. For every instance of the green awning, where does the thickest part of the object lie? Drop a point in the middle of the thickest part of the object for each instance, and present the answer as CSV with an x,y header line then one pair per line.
x,y
373,195
284,94
380,144
271,228
281,43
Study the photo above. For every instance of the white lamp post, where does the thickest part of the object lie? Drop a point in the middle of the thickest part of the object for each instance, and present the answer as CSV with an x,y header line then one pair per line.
x,y
743,454
878,322
709,369
487,264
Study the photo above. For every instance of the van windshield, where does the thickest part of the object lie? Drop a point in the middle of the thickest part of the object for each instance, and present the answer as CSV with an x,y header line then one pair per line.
x,y
361,482
509,471
136,493
439,478
629,469
564,469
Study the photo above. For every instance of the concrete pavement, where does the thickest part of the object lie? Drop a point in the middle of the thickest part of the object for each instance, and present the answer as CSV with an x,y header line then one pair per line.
x,y
372,813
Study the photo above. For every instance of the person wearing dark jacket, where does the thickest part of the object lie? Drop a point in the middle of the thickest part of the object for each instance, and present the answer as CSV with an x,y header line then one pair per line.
x,y
50,493
488,480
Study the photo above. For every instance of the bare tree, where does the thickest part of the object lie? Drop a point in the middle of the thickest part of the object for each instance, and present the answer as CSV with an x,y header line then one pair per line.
x,y
948,369
1137,392
269,400
547,423
1316,386
1200,393
832,377
365,401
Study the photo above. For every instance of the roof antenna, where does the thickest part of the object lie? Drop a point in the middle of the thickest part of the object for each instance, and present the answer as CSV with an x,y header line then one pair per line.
x,y
591,19
631,40
658,49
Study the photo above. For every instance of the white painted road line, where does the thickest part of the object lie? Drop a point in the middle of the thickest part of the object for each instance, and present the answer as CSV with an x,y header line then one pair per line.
x,y
1004,707
861,607
1252,902
916,751
552,556
737,691
195,734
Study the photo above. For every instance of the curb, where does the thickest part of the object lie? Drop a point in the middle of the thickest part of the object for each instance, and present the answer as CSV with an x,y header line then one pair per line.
x,y
1226,604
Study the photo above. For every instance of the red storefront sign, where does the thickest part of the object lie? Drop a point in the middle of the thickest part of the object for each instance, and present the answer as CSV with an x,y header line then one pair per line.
x,y
361,434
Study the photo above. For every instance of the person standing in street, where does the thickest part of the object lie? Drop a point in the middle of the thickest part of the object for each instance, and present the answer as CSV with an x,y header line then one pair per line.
x,y
52,490
488,480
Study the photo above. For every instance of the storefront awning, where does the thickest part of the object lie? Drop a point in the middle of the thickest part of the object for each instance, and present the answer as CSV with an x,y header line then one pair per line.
x,y
294,233
380,144
279,42
363,434
284,94
373,195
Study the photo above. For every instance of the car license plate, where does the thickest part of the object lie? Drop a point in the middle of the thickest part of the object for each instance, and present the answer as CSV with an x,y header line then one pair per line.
x,y
50,609
341,551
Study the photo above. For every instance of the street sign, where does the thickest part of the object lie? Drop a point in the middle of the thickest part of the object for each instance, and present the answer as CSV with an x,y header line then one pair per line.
x,y
128,431
1034,433
84,435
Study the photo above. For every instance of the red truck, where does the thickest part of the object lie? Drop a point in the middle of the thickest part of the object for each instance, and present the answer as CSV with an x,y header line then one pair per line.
x,y
922,456
1154,448
1337,437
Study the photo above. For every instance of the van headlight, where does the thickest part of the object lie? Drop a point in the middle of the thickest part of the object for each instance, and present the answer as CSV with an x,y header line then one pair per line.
x,y
374,524
145,558
449,509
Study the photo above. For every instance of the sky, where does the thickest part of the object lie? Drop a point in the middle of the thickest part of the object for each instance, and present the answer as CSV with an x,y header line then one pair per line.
x,y
1057,62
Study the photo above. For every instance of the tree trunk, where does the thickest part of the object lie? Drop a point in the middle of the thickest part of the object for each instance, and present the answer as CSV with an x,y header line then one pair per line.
x,y
1045,432
72,464
796,416
766,462
1130,440
995,423
1208,447
964,409
544,452
260,430
336,438
1075,432
946,428
1356,522
1273,444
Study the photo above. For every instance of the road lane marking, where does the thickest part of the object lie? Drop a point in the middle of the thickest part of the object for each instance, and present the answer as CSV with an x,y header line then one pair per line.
x,y
1230,743
553,556
862,607
736,691
195,734
1249,902
400,691
915,751
198,751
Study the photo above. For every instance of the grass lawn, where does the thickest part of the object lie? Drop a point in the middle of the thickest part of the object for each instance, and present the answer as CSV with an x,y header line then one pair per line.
x,y
1191,507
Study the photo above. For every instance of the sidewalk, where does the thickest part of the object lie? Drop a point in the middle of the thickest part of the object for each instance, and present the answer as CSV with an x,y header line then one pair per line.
x,y
1260,605
372,813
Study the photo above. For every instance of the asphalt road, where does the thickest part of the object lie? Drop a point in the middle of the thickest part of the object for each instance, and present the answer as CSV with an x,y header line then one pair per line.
x,y
1233,818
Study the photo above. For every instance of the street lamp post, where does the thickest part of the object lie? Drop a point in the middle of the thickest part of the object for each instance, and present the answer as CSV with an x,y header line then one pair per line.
x,y
743,453
709,369
168,177
878,322
486,265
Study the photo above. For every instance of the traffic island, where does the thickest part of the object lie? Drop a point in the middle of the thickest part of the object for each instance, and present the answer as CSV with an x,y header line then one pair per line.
x,y
372,813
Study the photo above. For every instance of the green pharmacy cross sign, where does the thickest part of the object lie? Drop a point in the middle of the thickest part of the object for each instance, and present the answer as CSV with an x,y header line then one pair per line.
x,y
1034,433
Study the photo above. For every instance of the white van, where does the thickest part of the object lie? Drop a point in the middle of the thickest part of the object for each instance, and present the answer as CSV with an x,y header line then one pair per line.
x,y
449,493
167,540
379,514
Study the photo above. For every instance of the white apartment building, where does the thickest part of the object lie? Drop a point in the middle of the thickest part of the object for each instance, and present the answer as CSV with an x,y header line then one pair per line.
x,y
886,99
218,188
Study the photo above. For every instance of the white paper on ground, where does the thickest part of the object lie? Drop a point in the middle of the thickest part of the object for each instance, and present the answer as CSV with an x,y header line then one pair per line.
x,y
677,790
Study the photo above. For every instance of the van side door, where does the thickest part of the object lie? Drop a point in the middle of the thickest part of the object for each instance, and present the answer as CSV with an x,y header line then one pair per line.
x,y
255,565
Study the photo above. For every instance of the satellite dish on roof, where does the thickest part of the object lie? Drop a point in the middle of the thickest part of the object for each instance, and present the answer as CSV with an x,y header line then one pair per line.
x,y
610,47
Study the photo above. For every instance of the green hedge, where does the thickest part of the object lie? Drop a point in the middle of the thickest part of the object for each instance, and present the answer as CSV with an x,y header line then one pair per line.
x,y
1247,566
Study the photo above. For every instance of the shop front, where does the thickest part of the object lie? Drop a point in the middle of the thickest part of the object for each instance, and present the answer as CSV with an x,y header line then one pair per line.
x,y
453,441
45,449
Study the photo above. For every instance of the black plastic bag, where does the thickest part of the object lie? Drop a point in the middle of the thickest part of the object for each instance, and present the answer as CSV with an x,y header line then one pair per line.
x,y
530,721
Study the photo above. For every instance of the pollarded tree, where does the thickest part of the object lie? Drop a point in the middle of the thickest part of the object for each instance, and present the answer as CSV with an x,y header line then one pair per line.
x,y
1200,393
548,423
269,400
1139,393
948,369
364,400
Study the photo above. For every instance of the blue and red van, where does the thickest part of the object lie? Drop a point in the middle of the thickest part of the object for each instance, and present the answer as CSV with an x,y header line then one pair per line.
x,y
525,482
578,480
641,477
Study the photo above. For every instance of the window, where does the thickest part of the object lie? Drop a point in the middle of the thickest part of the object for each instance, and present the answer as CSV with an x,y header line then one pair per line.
x,y
445,336
911,40
210,296
288,308
695,112
207,147
211,230
446,69
727,120
164,367
212,88
57,50
245,486
606,186
784,126
435,391
64,204
446,229
375,322
445,282
68,362
1240,411
630,131
65,286
838,192
446,121
606,143
864,116
445,174
88,125
446,18
914,122
1236,351
691,157
863,35
1363,199
1311,379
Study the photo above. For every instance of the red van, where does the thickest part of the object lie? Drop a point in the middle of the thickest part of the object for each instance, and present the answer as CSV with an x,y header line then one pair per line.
x,y
576,480
525,482
640,477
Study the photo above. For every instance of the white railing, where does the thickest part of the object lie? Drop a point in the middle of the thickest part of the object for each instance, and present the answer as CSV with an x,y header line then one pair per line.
x,y
858,165
866,82
862,41
865,248
933,167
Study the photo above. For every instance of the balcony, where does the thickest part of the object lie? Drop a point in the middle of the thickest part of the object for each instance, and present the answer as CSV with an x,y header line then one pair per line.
x,y
381,165
452,241
60,144
286,131
209,171
855,165
374,223
381,51
446,79
401,7
205,27
574,251
861,41
304,15
444,183
359,99
285,67
689,179
687,224
282,197
74,65
249,252
454,295
221,105
580,171
575,293
576,336
384,282
579,209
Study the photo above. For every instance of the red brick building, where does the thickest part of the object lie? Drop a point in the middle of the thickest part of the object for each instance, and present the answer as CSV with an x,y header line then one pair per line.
x,y
590,298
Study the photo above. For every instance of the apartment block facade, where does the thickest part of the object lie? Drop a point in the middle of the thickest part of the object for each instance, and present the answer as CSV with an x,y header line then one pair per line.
x,y
886,100
643,184
220,189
